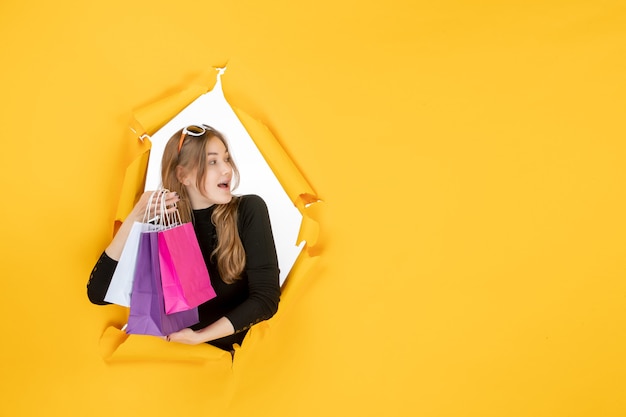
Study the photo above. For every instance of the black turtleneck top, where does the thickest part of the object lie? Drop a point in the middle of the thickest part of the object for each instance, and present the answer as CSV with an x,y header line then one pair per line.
x,y
247,301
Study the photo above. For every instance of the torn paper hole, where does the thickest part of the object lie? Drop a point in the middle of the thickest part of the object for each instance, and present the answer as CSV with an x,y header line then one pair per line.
x,y
256,174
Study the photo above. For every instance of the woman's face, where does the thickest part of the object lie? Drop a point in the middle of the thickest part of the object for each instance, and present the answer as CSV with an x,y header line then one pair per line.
x,y
217,177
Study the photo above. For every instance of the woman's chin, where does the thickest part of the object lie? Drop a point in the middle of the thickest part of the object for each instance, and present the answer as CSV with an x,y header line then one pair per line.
x,y
224,199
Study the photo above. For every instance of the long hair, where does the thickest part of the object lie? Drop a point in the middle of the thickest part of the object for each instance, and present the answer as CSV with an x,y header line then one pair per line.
x,y
229,253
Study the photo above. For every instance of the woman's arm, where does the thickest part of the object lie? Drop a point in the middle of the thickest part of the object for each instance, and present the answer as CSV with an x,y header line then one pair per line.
x,y
221,328
100,279
102,273
261,265
262,272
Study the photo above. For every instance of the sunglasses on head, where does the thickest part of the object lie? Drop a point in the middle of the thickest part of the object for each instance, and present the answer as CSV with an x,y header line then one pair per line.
x,y
193,130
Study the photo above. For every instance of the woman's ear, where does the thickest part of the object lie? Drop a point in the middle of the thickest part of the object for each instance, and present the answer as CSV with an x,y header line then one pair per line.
x,y
182,176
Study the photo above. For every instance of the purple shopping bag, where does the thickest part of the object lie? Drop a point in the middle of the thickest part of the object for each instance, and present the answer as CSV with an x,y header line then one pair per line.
x,y
147,309
184,275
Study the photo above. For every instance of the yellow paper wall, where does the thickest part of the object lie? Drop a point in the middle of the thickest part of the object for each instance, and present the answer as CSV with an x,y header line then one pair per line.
x,y
470,156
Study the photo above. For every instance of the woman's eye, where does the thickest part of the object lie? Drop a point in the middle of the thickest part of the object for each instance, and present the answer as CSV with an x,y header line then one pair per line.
x,y
212,162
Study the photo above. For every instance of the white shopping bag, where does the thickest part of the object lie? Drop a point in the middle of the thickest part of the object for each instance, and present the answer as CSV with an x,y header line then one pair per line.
x,y
122,282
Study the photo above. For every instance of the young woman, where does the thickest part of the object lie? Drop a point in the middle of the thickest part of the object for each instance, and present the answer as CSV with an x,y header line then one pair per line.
x,y
234,234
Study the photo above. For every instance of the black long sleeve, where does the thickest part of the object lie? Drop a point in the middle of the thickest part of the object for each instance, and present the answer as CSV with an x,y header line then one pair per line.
x,y
261,265
100,279
255,296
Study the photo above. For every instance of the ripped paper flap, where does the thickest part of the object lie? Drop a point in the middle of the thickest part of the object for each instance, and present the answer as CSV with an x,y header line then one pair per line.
x,y
257,177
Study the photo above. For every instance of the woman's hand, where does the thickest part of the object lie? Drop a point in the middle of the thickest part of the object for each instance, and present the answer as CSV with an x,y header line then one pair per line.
x,y
114,250
186,336
139,211
220,328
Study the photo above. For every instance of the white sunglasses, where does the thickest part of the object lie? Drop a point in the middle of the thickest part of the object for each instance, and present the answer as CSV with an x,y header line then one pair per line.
x,y
193,130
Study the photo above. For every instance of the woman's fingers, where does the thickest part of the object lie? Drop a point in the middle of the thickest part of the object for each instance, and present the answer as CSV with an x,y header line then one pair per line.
x,y
157,203
163,196
165,202
170,202
171,199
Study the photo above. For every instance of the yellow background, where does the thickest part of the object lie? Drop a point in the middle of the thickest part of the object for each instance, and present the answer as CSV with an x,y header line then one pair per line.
x,y
470,156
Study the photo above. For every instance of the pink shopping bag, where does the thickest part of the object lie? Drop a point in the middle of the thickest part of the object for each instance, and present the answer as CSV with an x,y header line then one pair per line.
x,y
184,275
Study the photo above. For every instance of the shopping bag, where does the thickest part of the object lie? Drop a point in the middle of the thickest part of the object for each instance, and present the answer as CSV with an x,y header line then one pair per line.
x,y
122,281
184,275
147,309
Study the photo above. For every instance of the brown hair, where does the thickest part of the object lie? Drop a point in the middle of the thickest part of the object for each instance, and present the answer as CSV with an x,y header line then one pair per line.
x,y
229,252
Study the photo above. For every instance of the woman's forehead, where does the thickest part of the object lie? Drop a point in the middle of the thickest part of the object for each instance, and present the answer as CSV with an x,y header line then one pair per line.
x,y
215,145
